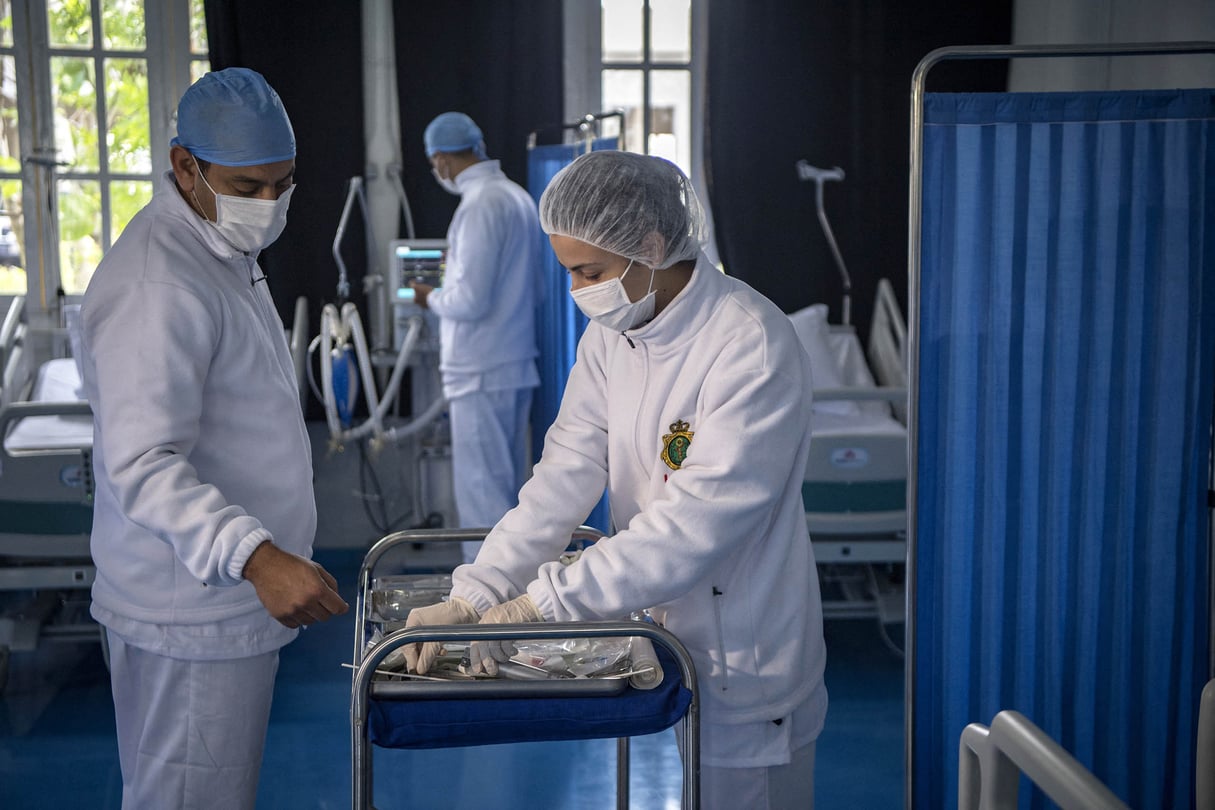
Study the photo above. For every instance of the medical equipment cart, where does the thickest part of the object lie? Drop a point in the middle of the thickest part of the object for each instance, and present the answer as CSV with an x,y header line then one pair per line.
x,y
428,714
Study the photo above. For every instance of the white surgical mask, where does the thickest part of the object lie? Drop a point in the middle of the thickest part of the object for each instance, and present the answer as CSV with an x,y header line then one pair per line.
x,y
448,185
246,223
608,304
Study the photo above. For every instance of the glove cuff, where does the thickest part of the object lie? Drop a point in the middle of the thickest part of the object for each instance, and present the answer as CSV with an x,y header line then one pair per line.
x,y
465,607
525,601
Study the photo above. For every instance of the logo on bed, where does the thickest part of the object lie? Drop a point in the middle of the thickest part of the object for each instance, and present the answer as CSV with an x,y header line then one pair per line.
x,y
850,458
676,443
72,475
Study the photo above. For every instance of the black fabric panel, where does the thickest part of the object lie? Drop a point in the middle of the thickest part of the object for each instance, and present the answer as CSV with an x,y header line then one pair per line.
x,y
830,83
310,51
498,61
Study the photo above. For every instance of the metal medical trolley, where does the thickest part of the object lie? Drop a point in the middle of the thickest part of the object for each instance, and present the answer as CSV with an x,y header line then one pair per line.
x,y
430,714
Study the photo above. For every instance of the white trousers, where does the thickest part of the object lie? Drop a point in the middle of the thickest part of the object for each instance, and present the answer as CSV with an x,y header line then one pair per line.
x,y
488,455
777,787
190,733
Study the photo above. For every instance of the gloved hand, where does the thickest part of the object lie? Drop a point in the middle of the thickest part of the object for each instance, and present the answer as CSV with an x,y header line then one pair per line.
x,y
484,655
419,657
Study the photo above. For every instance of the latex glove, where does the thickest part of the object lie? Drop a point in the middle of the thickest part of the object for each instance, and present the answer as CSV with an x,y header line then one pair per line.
x,y
419,657
484,655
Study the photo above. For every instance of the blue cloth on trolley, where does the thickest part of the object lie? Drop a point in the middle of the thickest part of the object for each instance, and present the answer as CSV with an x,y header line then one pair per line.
x,y
455,723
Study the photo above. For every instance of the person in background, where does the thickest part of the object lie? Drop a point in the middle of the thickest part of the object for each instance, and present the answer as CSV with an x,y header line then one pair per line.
x,y
689,400
486,307
204,514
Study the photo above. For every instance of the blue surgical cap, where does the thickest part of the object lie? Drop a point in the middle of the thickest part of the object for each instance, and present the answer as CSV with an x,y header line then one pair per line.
x,y
453,132
234,118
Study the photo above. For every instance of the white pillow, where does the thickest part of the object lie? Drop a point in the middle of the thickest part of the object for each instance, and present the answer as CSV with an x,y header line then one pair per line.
x,y
812,330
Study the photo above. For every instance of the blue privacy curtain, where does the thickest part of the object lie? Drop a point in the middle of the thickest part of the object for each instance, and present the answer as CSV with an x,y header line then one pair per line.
x,y
1066,364
560,323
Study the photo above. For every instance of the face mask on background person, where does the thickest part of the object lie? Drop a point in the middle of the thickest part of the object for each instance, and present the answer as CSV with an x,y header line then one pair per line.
x,y
607,303
448,184
246,223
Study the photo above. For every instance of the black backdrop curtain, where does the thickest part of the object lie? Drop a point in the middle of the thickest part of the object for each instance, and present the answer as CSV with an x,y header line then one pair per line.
x,y
830,83
498,61
310,51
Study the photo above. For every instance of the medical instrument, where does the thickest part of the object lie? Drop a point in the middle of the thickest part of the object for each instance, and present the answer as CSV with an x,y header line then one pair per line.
x,y
854,489
387,713
818,176
350,364
346,359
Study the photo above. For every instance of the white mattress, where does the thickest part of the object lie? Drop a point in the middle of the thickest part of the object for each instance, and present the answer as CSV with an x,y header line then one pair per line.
x,y
864,420
57,381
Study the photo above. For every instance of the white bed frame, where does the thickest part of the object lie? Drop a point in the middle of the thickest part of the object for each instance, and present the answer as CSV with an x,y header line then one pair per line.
x,y
46,512
855,482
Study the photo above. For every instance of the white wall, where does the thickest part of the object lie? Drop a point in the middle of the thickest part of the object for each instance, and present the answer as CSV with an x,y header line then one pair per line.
x,y
1106,21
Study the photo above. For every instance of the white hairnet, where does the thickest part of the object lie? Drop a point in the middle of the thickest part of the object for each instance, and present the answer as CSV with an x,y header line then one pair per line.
x,y
619,201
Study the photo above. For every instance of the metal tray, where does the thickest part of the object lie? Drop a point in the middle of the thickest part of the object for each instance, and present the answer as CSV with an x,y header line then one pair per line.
x,y
496,689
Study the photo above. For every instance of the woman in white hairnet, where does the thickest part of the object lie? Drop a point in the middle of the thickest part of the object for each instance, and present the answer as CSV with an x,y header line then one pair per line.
x,y
688,401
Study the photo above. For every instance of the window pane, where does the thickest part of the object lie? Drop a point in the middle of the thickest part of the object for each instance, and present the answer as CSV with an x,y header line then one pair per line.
x,y
126,198
122,25
670,31
198,28
12,243
128,133
6,24
75,106
198,69
670,117
70,23
10,145
79,232
622,89
622,30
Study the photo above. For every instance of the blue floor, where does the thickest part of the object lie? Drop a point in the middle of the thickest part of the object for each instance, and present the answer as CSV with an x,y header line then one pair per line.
x,y
57,745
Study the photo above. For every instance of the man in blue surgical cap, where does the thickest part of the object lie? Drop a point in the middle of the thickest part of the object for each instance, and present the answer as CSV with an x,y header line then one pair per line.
x,y
486,309
204,514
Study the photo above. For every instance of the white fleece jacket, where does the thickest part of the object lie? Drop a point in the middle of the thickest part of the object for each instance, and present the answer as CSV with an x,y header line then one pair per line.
x,y
492,284
200,450
718,548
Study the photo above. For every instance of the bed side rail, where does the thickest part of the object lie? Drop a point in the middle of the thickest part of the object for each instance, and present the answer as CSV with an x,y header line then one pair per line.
x,y
992,760
887,349
12,352
9,328
1204,788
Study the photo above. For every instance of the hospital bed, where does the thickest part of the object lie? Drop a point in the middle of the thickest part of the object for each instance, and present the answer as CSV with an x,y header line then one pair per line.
x,y
854,488
46,497
393,711
46,488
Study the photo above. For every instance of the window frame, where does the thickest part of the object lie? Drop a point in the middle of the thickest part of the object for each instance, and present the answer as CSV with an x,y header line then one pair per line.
x,y
584,67
168,57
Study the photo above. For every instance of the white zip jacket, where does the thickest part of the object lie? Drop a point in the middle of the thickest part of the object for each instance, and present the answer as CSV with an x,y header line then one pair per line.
x,y
491,285
718,548
200,450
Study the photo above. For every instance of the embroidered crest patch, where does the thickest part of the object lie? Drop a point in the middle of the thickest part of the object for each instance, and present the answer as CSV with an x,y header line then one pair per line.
x,y
675,444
